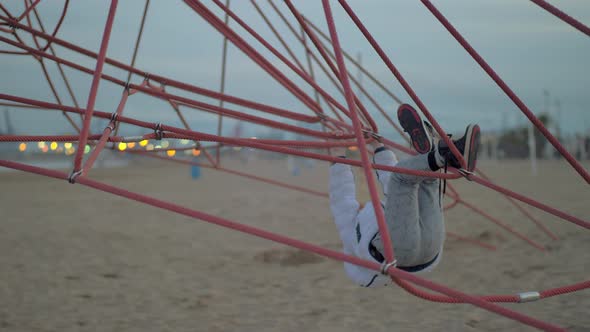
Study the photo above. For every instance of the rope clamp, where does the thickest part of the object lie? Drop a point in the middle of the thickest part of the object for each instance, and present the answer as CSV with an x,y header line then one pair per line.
x,y
113,123
385,266
322,116
158,131
465,173
528,297
73,176
146,76
12,24
372,134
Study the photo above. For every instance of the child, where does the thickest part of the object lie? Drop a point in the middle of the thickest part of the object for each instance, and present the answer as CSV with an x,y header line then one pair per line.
x,y
413,204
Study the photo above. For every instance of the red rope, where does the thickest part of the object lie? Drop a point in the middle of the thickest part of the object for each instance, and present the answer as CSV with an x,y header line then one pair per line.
x,y
351,100
103,138
230,171
524,211
28,9
532,202
289,64
503,225
241,142
154,77
369,177
206,14
234,141
402,80
323,53
454,294
484,65
563,16
71,138
95,83
190,102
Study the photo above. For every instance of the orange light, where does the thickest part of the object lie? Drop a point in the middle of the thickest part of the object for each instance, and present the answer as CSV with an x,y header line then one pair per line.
x,y
53,146
352,148
171,153
67,145
196,152
143,143
45,148
131,145
22,147
122,146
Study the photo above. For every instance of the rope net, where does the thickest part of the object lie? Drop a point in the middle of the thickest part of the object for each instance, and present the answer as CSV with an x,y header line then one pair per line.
x,y
336,124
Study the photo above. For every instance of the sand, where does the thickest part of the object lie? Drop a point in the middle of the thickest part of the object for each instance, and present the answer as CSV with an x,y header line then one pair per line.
x,y
76,259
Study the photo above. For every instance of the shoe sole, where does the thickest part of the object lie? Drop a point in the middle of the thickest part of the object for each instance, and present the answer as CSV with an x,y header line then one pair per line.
x,y
472,142
410,121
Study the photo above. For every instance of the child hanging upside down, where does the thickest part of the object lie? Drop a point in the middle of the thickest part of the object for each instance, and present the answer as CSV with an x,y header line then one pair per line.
x,y
413,204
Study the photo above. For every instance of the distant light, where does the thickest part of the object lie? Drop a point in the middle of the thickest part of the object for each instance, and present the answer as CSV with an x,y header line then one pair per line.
x,y
237,148
45,148
131,145
150,147
171,153
40,145
184,141
352,148
253,137
22,147
158,146
53,146
70,151
122,146
60,149
196,152
144,142
165,144
67,145
86,149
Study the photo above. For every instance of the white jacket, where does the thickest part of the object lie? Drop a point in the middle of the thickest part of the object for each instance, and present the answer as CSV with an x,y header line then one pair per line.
x,y
357,227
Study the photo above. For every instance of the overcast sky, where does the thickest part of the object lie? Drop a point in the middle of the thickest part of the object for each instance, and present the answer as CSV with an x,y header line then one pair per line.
x,y
528,47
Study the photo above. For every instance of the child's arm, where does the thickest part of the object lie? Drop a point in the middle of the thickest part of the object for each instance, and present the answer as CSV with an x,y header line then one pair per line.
x,y
385,157
343,203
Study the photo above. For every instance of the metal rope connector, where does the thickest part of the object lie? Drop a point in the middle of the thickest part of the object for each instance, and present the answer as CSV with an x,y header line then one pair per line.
x,y
372,134
159,132
12,24
322,116
73,176
146,76
113,123
385,266
528,297
465,173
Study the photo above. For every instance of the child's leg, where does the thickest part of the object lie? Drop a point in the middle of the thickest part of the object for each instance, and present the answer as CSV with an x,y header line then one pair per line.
x,y
432,225
405,201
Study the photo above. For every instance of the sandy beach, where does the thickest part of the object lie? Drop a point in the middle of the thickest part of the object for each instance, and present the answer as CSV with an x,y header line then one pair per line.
x,y
76,259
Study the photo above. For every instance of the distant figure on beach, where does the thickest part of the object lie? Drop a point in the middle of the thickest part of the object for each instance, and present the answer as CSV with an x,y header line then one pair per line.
x,y
413,204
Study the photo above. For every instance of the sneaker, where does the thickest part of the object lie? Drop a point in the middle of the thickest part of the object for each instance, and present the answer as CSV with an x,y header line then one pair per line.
x,y
410,121
468,145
